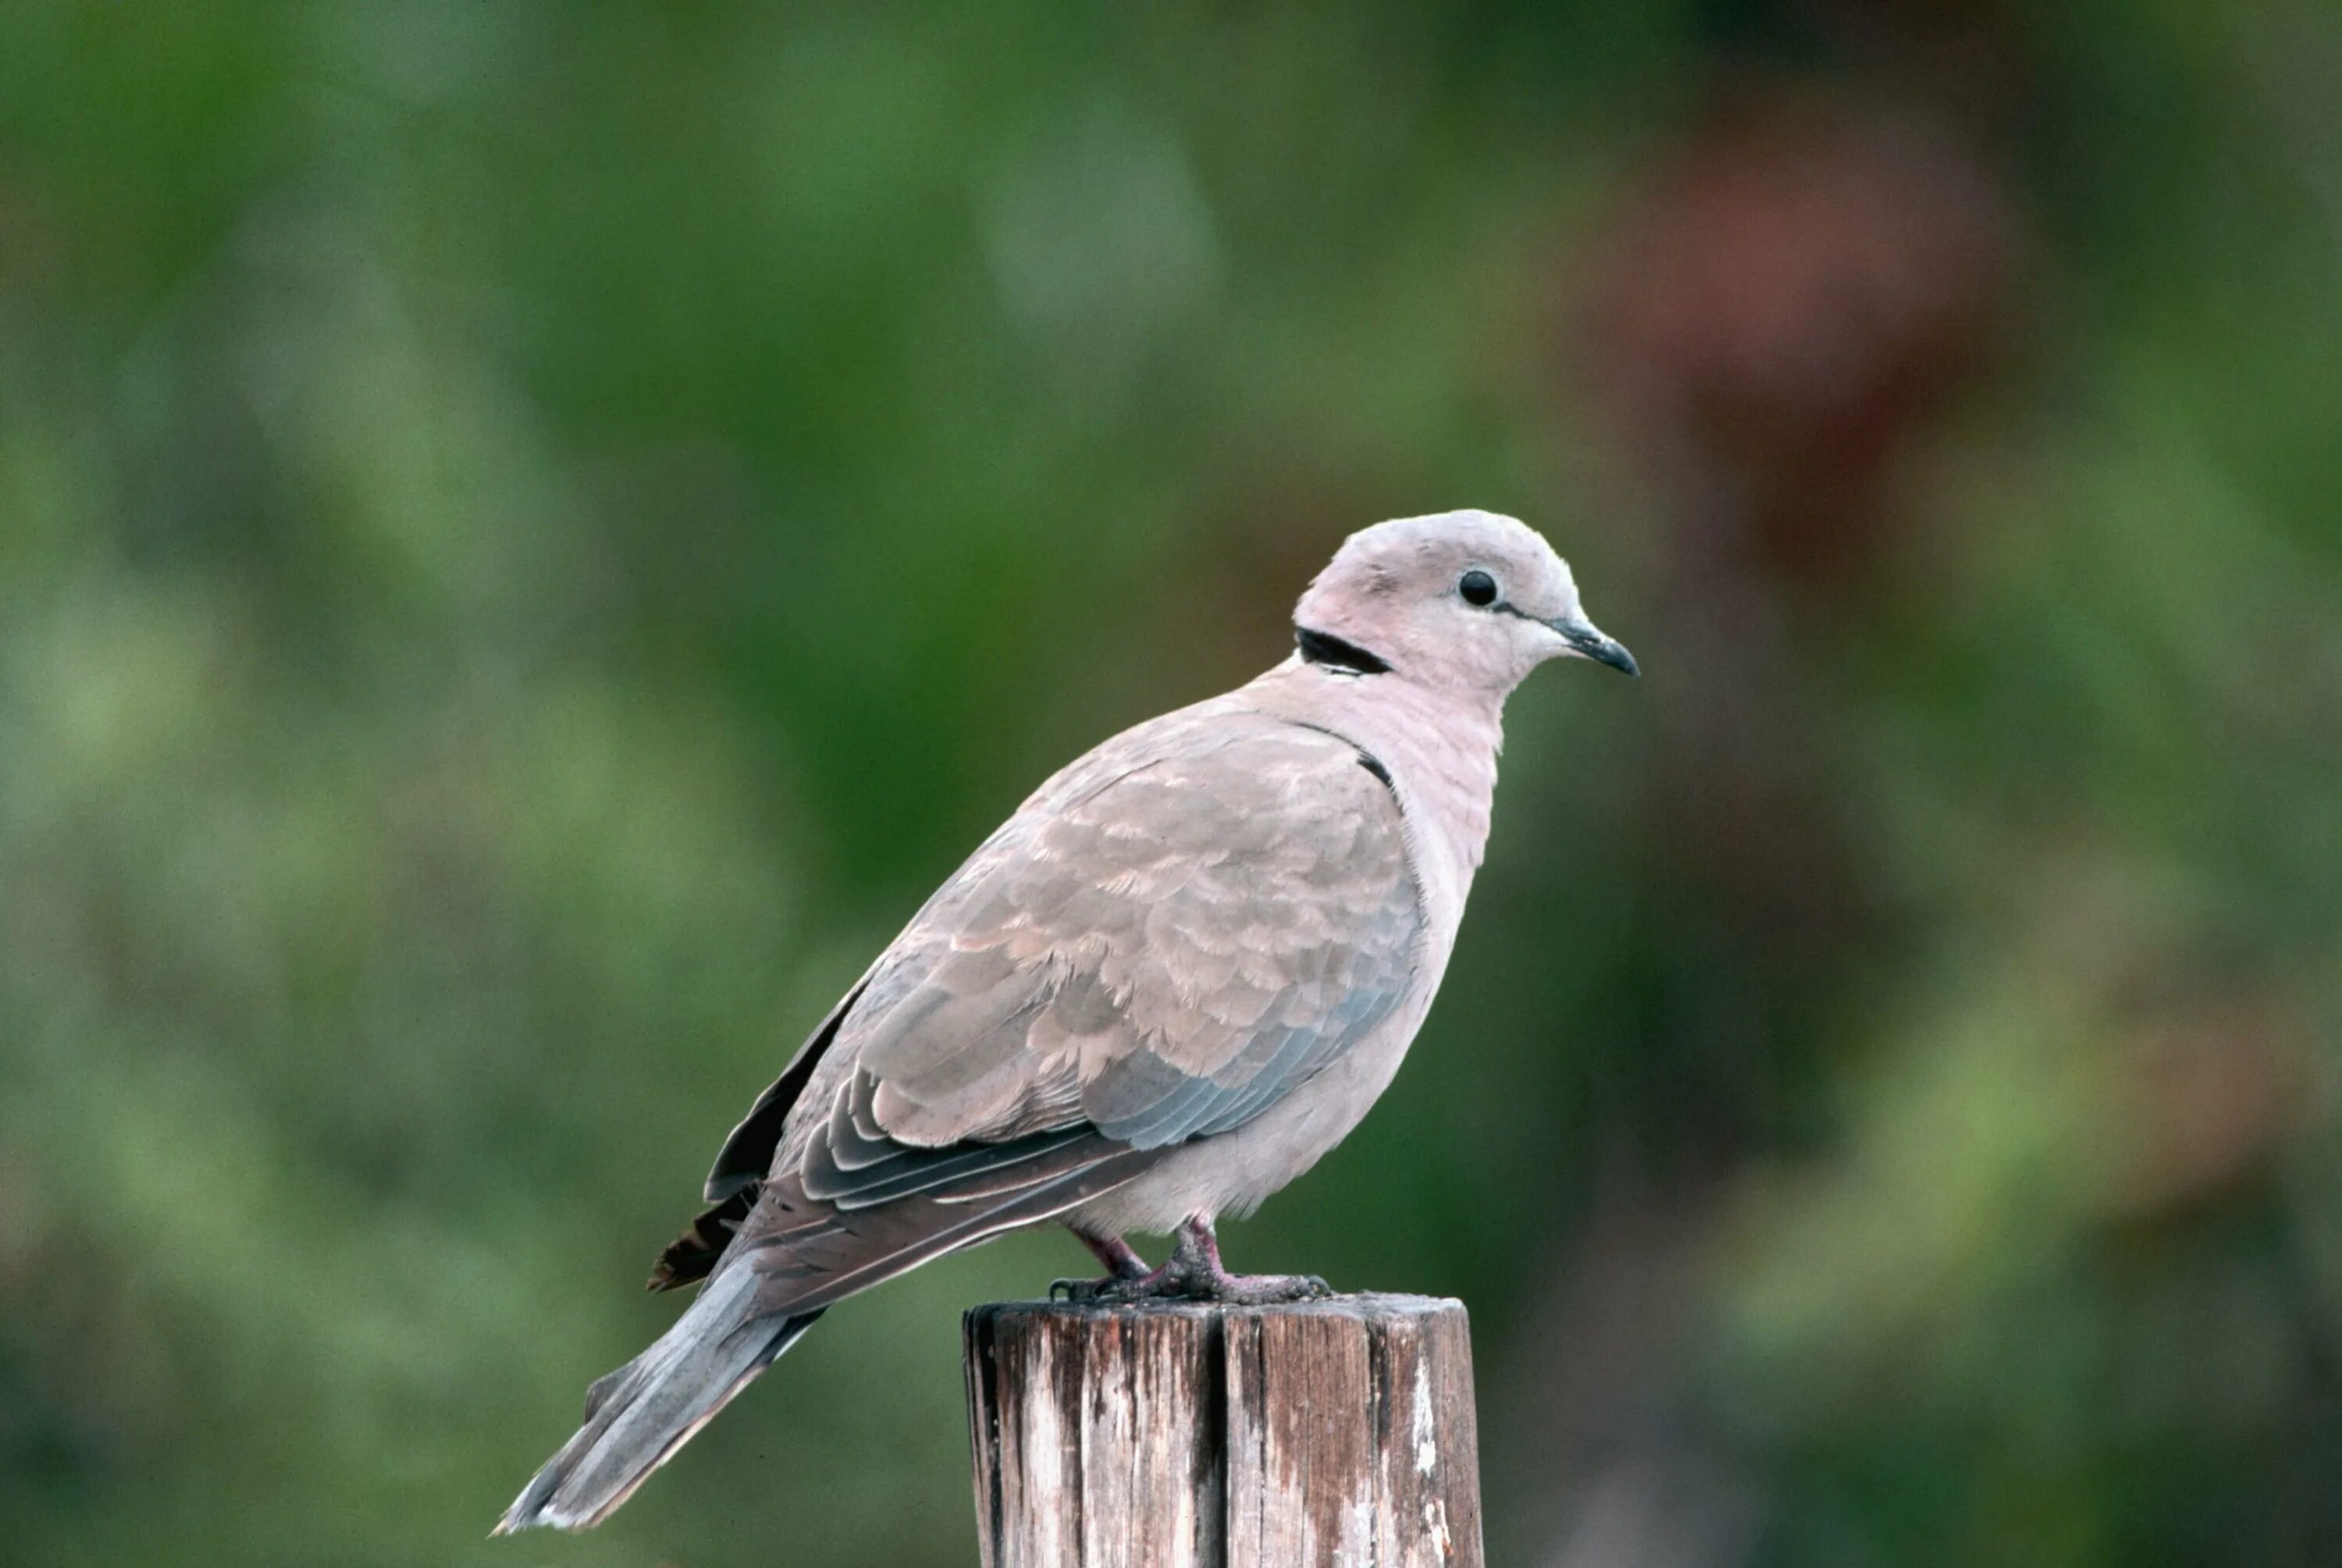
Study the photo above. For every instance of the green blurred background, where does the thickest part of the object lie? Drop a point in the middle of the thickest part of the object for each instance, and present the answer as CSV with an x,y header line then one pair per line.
x,y
531,534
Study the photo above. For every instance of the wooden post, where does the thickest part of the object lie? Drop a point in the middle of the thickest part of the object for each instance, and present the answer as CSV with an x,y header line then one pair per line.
x,y
1187,1435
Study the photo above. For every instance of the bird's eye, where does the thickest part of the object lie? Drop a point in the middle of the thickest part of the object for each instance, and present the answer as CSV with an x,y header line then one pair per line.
x,y
1477,588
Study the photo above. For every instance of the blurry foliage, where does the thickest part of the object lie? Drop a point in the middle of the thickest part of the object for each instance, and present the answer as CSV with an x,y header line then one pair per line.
x,y
530,536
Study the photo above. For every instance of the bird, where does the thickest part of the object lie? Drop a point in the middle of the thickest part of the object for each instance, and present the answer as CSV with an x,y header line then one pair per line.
x,y
1175,978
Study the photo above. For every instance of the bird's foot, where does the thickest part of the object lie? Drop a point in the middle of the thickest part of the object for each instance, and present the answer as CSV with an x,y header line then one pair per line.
x,y
1197,1257
1193,1272
1173,1283
1127,1271
1119,1290
1260,1289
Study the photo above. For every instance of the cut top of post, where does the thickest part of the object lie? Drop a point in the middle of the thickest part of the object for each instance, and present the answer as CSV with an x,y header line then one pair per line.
x,y
1195,1435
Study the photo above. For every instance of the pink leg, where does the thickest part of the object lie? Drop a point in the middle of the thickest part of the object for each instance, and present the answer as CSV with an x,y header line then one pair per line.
x,y
1123,1266
1208,1278
1117,1255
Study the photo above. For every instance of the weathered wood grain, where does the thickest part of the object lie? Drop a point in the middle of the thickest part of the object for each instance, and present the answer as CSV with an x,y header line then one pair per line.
x,y
1179,1435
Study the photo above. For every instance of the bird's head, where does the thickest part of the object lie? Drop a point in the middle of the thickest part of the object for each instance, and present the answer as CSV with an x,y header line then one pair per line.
x,y
1466,601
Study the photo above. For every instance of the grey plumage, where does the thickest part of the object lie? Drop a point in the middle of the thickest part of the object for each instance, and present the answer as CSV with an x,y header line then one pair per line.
x,y
1174,978
640,1413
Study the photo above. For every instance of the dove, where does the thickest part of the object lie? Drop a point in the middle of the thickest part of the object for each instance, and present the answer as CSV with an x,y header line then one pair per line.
x,y
1177,976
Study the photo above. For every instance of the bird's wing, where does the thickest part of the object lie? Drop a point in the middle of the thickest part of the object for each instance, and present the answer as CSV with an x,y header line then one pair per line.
x,y
1156,956
1163,942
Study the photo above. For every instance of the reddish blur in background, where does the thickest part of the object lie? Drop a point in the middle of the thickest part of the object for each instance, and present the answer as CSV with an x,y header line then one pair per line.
x,y
531,536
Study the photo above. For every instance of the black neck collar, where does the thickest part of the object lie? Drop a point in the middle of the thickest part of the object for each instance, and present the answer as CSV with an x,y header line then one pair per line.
x,y
1347,658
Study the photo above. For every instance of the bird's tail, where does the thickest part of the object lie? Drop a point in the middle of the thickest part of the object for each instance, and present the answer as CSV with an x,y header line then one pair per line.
x,y
648,1408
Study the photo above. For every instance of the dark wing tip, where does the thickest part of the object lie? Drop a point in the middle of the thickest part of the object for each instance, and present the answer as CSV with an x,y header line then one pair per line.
x,y
691,1254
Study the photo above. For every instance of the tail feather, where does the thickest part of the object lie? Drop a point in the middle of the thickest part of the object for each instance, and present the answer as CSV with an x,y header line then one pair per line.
x,y
639,1415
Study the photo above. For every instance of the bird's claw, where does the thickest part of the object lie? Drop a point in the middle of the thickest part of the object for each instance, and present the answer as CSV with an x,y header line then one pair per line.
x,y
1118,1290
1081,1292
1265,1290
1193,1272
1172,1285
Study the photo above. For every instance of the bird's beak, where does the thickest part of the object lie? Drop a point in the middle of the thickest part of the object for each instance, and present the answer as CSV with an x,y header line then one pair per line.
x,y
1588,641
